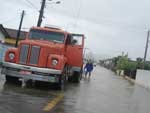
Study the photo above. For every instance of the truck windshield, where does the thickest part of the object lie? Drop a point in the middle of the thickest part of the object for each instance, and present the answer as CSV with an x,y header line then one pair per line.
x,y
46,35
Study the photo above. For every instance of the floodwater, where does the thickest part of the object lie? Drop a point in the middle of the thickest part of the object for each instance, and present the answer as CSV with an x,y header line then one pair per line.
x,y
104,92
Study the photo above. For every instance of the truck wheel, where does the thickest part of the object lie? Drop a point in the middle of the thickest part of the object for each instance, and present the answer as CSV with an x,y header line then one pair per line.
x,y
10,78
76,77
70,78
81,74
60,85
62,79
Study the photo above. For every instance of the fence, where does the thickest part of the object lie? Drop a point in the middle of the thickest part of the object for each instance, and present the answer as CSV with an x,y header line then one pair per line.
x,y
3,49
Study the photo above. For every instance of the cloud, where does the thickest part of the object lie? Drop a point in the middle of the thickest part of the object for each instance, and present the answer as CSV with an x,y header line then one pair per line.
x,y
111,26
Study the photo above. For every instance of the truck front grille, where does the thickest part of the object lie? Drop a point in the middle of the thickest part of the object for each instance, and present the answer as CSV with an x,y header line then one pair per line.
x,y
33,51
23,54
34,56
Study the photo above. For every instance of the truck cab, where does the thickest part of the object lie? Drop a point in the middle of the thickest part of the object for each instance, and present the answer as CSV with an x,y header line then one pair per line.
x,y
47,54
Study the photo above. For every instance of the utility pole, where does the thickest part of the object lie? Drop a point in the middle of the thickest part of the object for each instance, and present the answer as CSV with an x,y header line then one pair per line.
x,y
146,47
20,25
84,52
41,13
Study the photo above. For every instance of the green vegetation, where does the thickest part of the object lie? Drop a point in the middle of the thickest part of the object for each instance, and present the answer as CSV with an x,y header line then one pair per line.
x,y
124,63
130,67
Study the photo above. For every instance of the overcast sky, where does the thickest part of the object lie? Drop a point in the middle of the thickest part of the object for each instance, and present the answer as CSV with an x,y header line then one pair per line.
x,y
111,26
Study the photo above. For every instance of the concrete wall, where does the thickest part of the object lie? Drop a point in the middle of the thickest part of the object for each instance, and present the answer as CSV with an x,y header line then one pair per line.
x,y
2,37
3,49
11,41
143,77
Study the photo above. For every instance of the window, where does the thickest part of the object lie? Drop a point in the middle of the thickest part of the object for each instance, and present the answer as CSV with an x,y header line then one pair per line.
x,y
46,35
77,39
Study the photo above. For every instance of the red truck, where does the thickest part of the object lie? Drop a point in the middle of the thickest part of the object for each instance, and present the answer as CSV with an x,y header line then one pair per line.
x,y
47,54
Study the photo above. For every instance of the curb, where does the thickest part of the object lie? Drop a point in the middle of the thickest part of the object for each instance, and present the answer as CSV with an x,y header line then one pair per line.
x,y
130,79
135,82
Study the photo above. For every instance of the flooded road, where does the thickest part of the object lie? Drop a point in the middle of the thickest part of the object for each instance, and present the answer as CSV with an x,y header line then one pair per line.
x,y
103,93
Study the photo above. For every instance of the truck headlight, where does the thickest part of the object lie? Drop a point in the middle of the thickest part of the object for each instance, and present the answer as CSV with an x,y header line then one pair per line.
x,y
11,56
54,62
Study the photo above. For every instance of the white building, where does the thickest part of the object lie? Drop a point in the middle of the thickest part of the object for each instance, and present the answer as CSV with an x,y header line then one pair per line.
x,y
9,36
3,34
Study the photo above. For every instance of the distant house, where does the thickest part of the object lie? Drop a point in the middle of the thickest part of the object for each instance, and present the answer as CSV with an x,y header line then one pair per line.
x,y
9,36
3,34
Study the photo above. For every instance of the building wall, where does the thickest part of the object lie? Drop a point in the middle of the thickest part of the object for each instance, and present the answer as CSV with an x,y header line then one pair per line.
x,y
2,37
143,77
10,41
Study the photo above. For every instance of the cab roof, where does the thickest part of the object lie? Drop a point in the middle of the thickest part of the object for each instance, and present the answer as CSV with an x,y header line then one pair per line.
x,y
51,29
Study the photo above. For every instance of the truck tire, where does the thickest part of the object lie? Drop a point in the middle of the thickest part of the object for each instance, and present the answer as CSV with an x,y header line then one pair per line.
x,y
76,77
60,85
81,74
11,79
70,78
62,79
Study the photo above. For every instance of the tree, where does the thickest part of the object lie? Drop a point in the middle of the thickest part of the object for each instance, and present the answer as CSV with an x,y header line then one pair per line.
x,y
122,62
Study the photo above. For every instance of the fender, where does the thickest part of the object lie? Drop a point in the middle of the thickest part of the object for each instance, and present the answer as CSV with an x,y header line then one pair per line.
x,y
61,61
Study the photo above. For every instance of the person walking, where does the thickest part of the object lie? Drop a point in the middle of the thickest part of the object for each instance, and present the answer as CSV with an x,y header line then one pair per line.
x,y
88,68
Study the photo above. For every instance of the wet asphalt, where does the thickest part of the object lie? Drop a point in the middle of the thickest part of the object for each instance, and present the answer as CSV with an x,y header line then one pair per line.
x,y
104,92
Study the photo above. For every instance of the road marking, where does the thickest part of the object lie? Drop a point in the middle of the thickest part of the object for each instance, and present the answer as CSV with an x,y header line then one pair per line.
x,y
53,103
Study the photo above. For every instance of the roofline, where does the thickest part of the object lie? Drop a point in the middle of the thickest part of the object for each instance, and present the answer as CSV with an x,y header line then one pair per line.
x,y
4,30
16,30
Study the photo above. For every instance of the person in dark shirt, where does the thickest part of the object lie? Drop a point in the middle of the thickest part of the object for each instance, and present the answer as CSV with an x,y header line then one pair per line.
x,y
88,68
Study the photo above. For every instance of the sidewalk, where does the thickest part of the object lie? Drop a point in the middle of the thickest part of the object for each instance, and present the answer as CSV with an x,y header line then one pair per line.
x,y
135,82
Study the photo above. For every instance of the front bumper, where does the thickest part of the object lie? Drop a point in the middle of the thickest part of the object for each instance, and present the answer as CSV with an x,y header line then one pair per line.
x,y
39,74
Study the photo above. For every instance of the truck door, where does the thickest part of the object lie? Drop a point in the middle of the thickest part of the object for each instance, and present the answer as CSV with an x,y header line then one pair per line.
x,y
74,51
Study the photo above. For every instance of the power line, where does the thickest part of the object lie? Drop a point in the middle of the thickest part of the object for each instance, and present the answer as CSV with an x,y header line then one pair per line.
x,y
28,5
9,20
41,14
77,15
32,5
